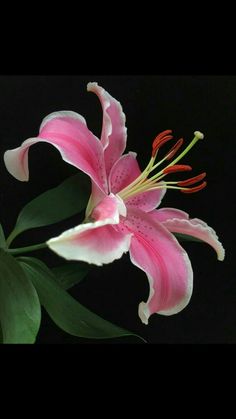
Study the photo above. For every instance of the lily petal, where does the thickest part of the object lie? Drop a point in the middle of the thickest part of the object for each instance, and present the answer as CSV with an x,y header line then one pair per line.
x,y
97,195
165,214
125,171
68,132
178,221
114,132
199,229
95,242
155,250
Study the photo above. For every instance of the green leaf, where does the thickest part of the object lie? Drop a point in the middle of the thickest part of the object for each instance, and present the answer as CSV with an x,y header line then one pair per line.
x,y
64,310
2,238
57,204
70,274
20,311
186,237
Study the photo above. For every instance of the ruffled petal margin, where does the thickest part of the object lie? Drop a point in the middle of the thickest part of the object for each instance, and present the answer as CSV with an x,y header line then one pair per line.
x,y
177,221
114,132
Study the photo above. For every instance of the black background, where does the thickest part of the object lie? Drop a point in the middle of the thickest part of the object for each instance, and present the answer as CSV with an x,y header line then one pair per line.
x,y
151,104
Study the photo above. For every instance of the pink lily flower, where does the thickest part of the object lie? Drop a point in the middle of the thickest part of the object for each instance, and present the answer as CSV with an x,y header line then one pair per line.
x,y
121,214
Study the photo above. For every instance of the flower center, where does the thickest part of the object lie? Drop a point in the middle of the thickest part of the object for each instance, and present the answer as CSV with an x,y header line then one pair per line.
x,y
144,182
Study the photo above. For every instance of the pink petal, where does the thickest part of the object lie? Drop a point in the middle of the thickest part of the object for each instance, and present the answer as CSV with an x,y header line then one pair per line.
x,y
114,132
125,171
154,250
97,195
95,242
146,201
68,132
198,229
165,214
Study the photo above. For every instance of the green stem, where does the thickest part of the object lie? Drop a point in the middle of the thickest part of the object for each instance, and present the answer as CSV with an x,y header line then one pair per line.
x,y
27,249
11,237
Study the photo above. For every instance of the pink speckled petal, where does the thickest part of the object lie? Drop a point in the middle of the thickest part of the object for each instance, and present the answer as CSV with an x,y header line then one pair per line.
x,y
125,171
155,250
146,201
114,132
97,242
68,132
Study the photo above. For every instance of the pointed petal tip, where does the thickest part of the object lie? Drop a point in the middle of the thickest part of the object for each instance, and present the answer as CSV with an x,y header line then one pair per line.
x,y
196,228
91,86
19,172
221,253
143,313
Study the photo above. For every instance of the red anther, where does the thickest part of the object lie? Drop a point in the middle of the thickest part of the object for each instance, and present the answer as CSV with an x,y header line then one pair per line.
x,y
163,134
192,180
195,189
161,139
160,143
177,168
174,149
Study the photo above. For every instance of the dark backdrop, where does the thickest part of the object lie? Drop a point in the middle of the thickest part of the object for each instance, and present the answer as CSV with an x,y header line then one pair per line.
x,y
151,104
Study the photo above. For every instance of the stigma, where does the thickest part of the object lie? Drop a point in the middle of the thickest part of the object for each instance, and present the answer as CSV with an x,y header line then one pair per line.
x,y
153,177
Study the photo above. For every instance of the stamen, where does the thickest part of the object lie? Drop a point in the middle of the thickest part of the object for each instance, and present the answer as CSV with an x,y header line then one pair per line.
x,y
160,144
160,140
174,149
177,168
162,134
192,180
195,189
144,183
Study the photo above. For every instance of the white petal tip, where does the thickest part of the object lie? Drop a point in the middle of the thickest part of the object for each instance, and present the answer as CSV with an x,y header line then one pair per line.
x,y
91,86
221,254
19,172
199,135
143,313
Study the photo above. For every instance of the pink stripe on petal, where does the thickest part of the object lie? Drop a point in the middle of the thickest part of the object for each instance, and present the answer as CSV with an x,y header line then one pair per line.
x,y
199,229
114,132
154,250
68,132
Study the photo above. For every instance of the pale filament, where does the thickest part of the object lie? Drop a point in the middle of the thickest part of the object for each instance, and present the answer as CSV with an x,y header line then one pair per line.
x,y
143,184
